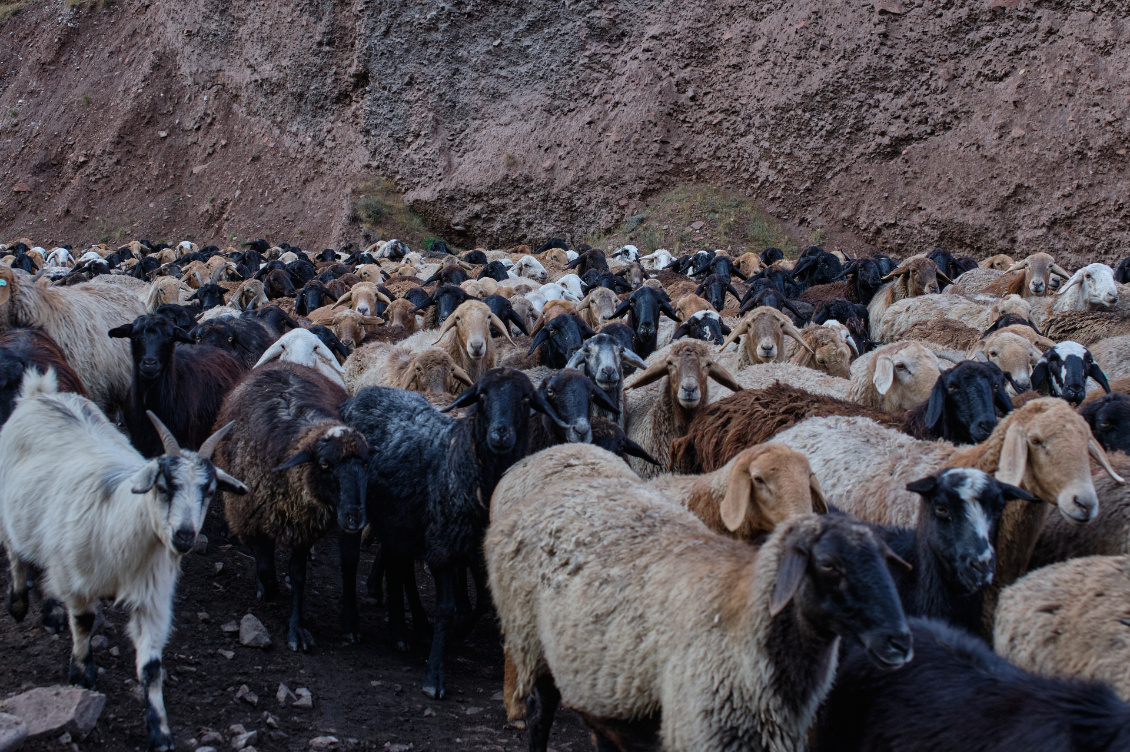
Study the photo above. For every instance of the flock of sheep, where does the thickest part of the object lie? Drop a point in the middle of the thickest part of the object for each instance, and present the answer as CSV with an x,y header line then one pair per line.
x,y
718,502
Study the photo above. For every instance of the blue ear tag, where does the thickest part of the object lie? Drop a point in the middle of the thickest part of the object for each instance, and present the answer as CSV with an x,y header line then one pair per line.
x,y
3,283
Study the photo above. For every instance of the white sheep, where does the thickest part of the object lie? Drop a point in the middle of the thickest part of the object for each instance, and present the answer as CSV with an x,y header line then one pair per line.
x,y
550,291
572,283
660,259
108,523
303,347
530,268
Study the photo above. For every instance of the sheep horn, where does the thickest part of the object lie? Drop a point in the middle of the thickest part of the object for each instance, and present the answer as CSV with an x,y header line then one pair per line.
x,y
1057,269
209,445
447,326
216,274
1100,456
168,441
461,375
496,322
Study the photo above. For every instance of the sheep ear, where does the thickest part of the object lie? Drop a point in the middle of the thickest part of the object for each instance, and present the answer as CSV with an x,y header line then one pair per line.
x,y
923,486
680,331
888,553
1011,492
630,357
884,374
1001,400
668,311
1100,457
469,397
539,404
723,377
145,478
228,484
298,459
497,323
739,493
180,335
1040,374
654,373
274,352
633,449
789,575
1097,374
819,503
1014,455
461,375
601,398
937,402
538,340
121,332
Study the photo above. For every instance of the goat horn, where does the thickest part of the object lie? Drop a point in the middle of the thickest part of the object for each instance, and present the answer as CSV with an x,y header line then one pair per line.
x,y
168,441
210,443
496,322
216,274
1057,269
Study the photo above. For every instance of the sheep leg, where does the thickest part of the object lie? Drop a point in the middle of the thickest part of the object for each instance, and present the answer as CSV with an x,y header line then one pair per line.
x,y
350,557
420,624
445,578
462,600
263,547
18,588
479,578
81,670
541,706
53,616
149,630
374,585
298,636
398,631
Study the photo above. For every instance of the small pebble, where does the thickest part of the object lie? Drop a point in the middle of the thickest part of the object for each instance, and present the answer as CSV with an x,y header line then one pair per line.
x,y
305,698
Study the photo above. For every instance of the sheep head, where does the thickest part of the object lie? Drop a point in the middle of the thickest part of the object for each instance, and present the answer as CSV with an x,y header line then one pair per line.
x,y
828,351
1011,304
602,303
351,327
1001,262
904,375
687,366
433,370
1038,269
400,312
766,328
1044,449
749,264
768,483
1093,287
920,276
1012,353
363,298
472,321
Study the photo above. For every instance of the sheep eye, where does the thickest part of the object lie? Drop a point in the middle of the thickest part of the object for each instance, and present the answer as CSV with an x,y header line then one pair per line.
x,y
952,388
1105,426
942,513
901,366
325,465
994,354
828,566
231,339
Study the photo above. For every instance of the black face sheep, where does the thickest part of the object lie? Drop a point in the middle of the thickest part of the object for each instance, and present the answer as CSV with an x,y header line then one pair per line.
x,y
312,296
21,349
1063,372
552,243
963,404
607,280
714,289
947,265
278,284
274,318
643,308
1109,419
817,267
446,299
495,270
330,340
704,325
573,397
561,337
305,470
588,261
440,516
952,550
183,386
183,316
448,275
245,338
611,437
958,695
740,641
504,310
208,296
106,524
475,257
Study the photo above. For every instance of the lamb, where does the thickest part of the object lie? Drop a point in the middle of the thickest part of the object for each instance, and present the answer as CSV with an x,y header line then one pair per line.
x,y
304,348
958,695
1091,288
23,349
442,515
709,609
471,347
183,386
304,468
655,423
108,523
765,330
914,277
77,318
1086,596
1063,371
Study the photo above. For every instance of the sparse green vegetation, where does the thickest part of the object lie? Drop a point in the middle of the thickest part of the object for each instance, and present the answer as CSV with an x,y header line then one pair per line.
x,y
7,10
84,100
728,221
378,205
14,112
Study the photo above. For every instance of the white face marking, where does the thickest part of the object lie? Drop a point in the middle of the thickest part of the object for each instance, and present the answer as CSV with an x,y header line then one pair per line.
x,y
335,432
1070,348
970,489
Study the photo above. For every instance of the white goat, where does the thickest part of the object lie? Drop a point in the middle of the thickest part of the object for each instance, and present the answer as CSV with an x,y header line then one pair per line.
x,y
304,348
107,524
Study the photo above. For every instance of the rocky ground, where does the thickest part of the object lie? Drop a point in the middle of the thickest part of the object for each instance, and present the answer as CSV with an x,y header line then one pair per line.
x,y
979,125
367,696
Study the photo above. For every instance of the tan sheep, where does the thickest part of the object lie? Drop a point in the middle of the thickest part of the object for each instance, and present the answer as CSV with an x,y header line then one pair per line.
x,y
764,329
471,347
598,307
915,276
1000,262
894,377
828,350
427,371
1012,353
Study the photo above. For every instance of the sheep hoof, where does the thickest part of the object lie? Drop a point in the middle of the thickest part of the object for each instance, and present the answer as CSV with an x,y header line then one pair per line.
x,y
54,619
434,692
84,675
18,605
300,638
160,742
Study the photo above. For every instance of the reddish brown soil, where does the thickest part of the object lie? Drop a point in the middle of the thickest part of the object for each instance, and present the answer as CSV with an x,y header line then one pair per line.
x,y
980,125
367,695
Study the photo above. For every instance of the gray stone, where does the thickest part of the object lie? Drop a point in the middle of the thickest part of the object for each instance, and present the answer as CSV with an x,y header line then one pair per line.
x,y
252,633
205,749
284,695
13,731
230,627
243,740
305,698
99,642
52,710
212,737
247,696
323,742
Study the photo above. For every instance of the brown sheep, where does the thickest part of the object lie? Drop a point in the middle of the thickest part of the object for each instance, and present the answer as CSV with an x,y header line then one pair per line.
x,y
598,307
688,305
828,351
749,264
1001,262
913,277
1029,278
765,329
472,348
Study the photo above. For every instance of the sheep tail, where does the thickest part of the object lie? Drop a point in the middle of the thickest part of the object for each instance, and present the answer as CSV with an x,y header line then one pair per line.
x,y
36,383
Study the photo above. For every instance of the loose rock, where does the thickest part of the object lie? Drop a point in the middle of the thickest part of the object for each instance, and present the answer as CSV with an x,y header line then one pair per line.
x,y
230,627
323,742
284,695
99,642
13,731
241,741
247,696
252,633
51,710
305,698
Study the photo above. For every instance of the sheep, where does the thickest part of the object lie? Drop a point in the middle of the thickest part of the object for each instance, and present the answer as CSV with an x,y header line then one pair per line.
x,y
1109,419
657,260
183,386
1086,327
77,318
894,377
1063,371
828,350
1113,356
440,516
1038,279
999,262
471,347
250,296
1091,288
165,290
914,277
951,551
304,468
430,370
598,306
958,695
714,289
903,316
643,308
245,337
706,326
1086,596
304,348
550,291
530,268
573,397
944,333
654,423
603,360
23,349
1041,447
108,523
708,609
764,330
572,283
1012,353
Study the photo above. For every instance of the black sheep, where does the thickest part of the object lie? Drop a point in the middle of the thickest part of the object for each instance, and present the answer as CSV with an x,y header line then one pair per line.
x,y
21,349
446,299
714,288
852,315
312,296
448,275
1009,319
495,270
478,258
816,267
208,296
561,336
963,405
182,316
723,265
614,283
501,307
703,325
183,386
245,338
574,399
771,255
552,243
644,306
1122,271
946,264
442,514
1109,419
588,261
958,695
609,436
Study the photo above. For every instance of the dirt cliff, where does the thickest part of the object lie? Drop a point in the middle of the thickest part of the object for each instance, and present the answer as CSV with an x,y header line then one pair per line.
x,y
980,125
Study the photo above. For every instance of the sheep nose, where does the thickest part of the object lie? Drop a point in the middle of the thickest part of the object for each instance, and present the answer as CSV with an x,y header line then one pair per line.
x,y
477,348
1074,394
982,429
363,309
184,540
608,374
1085,507
352,521
149,362
1037,287
501,439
